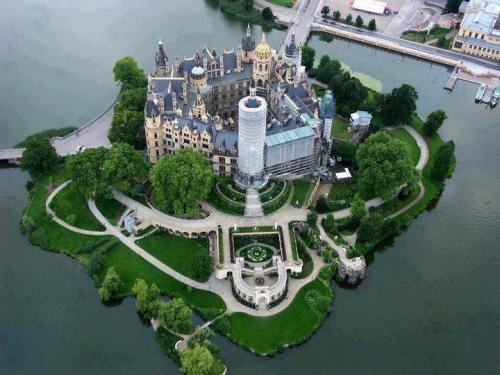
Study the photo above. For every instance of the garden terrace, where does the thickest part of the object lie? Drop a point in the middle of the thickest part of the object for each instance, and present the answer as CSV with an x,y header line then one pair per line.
x,y
278,200
225,203
270,239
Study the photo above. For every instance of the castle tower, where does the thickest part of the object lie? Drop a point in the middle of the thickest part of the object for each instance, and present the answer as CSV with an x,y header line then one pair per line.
x,y
248,47
199,109
153,130
327,113
262,62
161,61
251,139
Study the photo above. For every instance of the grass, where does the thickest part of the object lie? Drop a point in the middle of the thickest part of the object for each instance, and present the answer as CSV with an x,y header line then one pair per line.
x,y
394,205
423,36
59,239
409,141
235,8
340,129
131,267
341,191
283,3
47,134
301,190
291,326
110,208
177,252
70,202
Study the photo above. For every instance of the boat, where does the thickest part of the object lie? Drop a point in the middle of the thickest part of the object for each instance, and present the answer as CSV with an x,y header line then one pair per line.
x,y
480,92
496,97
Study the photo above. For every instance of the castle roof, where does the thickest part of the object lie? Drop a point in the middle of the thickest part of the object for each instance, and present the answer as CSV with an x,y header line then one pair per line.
x,y
230,60
248,43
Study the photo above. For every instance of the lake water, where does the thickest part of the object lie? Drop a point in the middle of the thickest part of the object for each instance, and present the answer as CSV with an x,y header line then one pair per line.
x,y
429,303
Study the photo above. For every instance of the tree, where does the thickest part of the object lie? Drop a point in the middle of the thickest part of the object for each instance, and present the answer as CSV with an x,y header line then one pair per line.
x,y
322,205
86,172
196,361
434,122
39,157
124,167
202,266
441,41
359,21
132,99
372,25
325,10
308,54
398,106
336,15
349,92
384,165
370,228
125,126
346,151
111,285
444,161
267,14
247,5
348,19
175,315
358,207
327,69
128,73
312,218
330,225
452,6
146,298
181,180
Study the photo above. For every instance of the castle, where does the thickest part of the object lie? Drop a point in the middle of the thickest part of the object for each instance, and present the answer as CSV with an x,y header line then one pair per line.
x,y
208,102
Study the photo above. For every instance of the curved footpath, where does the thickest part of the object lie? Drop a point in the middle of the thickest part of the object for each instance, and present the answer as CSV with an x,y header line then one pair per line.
x,y
282,217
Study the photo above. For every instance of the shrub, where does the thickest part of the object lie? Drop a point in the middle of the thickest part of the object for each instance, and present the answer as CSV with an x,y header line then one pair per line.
x,y
203,266
318,302
95,262
39,237
322,205
111,285
28,225
348,19
71,219
312,218
221,325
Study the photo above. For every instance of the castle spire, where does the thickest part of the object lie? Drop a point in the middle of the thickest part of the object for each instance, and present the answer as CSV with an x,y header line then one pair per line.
x,y
248,30
263,37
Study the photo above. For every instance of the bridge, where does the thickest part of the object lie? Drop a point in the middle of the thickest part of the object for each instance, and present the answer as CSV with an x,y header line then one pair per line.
x,y
307,20
91,135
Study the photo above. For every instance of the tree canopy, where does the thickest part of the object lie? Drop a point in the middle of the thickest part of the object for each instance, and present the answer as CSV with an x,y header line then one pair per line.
x,y
308,54
128,73
444,161
175,315
371,227
247,5
349,92
125,126
267,14
325,10
346,151
336,15
399,105
180,181
124,167
372,25
86,171
348,19
358,207
434,122
196,360
132,99
39,157
327,69
452,6
111,285
384,165
359,21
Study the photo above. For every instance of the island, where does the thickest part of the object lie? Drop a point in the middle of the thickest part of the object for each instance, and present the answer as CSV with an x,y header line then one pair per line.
x,y
240,184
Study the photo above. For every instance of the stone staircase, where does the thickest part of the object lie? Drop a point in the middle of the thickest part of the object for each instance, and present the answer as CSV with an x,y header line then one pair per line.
x,y
253,207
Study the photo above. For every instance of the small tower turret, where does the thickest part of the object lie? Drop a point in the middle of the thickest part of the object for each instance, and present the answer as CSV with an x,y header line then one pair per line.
x,y
161,60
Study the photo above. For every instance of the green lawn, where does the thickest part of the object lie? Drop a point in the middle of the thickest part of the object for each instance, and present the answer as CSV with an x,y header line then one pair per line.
x,y
284,3
70,202
409,141
341,191
292,326
339,129
422,36
58,238
175,251
131,266
301,190
396,204
110,208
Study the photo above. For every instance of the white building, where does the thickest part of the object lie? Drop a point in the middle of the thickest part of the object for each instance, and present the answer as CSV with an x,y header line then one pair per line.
x,y
251,140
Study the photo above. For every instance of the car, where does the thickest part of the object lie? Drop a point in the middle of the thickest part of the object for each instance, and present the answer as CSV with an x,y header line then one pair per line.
x,y
80,148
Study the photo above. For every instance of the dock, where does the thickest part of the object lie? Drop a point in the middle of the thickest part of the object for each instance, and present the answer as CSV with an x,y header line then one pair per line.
x,y
488,94
451,83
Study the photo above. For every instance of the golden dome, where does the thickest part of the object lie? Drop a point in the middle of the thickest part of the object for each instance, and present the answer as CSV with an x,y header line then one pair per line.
x,y
263,50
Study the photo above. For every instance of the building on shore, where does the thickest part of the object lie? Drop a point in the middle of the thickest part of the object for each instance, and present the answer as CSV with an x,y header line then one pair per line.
x,y
196,102
479,33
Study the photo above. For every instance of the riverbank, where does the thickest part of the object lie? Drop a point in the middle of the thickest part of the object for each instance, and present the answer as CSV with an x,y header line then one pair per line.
x,y
235,8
